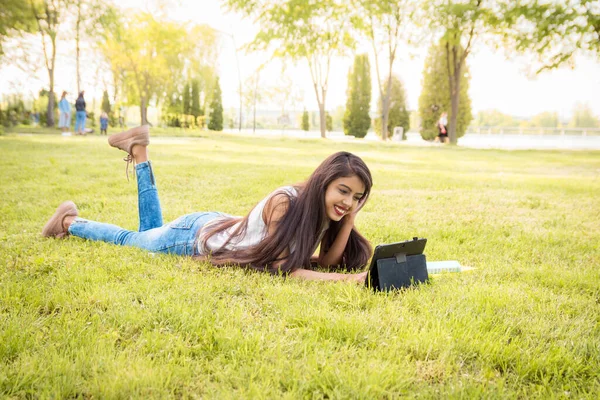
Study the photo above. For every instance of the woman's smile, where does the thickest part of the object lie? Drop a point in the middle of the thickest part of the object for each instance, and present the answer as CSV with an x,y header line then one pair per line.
x,y
342,196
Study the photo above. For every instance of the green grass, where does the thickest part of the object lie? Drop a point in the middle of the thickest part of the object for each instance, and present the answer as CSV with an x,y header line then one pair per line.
x,y
92,320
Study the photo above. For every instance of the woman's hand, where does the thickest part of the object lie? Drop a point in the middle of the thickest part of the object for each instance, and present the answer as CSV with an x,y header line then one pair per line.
x,y
350,217
301,273
359,278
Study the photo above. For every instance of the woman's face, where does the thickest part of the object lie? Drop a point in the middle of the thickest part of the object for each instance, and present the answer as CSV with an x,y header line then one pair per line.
x,y
342,196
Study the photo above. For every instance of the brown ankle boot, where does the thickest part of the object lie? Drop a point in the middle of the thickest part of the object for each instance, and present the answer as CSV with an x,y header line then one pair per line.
x,y
54,227
126,140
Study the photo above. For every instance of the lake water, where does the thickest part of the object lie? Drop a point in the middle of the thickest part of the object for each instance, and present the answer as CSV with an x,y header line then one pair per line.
x,y
471,140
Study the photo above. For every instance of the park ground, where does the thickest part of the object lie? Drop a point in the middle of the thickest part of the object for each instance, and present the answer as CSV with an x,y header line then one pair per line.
x,y
88,319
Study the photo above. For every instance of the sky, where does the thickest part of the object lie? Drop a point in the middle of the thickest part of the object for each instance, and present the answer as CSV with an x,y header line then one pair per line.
x,y
496,82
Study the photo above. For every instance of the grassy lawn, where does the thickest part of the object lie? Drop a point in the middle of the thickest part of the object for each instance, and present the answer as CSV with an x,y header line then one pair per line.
x,y
92,320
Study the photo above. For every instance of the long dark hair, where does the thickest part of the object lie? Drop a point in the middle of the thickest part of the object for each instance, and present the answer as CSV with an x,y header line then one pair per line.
x,y
302,224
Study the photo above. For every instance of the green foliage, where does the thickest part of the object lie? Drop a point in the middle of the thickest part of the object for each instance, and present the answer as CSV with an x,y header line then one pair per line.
x,y
328,122
338,117
547,119
583,117
195,108
356,118
15,111
387,25
106,103
151,56
307,30
41,105
305,123
461,23
435,95
178,120
494,118
187,104
88,319
91,119
15,18
398,114
554,30
215,122
51,17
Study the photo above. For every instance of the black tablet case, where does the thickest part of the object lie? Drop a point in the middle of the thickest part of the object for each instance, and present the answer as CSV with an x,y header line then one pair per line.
x,y
400,272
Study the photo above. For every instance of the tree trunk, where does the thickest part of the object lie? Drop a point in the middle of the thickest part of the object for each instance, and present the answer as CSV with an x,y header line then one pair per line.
x,y
385,108
50,110
254,115
322,115
77,49
144,110
51,100
322,120
454,100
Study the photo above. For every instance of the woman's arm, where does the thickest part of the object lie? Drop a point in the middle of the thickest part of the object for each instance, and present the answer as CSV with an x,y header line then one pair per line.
x,y
334,255
274,211
328,276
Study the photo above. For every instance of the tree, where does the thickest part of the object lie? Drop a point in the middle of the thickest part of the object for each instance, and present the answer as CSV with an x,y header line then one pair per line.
x,y
547,119
314,31
198,73
195,108
252,95
583,117
328,122
216,109
187,105
106,102
91,18
435,98
554,30
149,55
398,113
460,22
49,15
356,119
383,22
494,118
282,93
305,123
14,19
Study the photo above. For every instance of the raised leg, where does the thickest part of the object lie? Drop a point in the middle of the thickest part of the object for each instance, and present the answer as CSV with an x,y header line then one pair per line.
x,y
149,210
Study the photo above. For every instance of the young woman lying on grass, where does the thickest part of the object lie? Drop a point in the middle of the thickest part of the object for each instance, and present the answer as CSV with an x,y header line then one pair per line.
x,y
280,234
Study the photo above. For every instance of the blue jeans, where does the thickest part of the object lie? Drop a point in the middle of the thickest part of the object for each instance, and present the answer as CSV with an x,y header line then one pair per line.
x,y
79,121
177,237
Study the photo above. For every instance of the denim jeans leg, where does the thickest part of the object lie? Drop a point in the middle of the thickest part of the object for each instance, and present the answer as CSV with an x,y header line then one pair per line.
x,y
178,237
150,213
79,121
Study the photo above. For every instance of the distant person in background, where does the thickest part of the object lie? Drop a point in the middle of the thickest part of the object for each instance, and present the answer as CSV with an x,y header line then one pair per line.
x,y
64,120
103,122
443,129
80,114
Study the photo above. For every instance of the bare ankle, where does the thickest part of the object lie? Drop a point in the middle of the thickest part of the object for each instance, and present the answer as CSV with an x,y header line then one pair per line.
x,y
67,221
139,153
